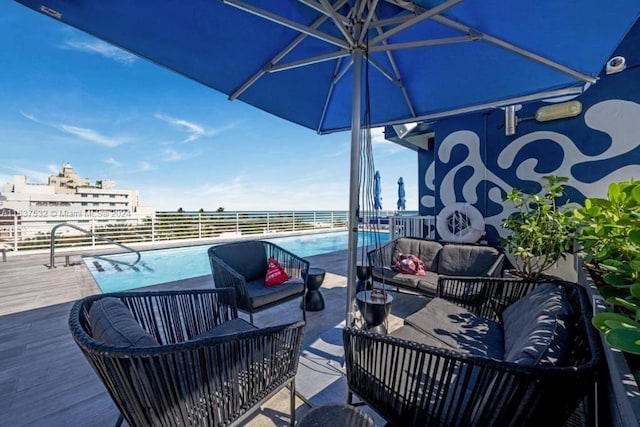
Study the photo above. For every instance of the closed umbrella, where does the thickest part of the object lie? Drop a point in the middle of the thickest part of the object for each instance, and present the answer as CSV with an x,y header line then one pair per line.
x,y
309,61
377,191
401,195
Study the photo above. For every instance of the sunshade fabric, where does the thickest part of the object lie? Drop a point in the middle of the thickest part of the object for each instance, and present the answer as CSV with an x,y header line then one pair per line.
x,y
377,191
222,47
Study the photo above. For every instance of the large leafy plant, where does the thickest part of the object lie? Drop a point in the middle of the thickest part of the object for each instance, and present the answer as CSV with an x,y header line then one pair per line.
x,y
610,237
541,231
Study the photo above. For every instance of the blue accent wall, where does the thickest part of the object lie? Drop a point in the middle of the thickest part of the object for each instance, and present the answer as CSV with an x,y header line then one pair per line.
x,y
474,162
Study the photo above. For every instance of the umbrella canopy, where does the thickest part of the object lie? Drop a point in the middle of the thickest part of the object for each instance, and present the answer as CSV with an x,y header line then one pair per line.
x,y
377,191
304,60
401,195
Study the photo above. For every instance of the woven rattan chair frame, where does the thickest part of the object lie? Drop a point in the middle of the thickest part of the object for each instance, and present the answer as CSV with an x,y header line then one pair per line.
x,y
414,384
184,381
224,276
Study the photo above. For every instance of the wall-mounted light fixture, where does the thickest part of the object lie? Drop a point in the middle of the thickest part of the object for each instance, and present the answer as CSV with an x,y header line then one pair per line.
x,y
558,111
510,120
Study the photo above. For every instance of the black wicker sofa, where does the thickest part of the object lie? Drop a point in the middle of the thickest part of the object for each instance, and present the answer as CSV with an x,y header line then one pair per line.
x,y
439,258
486,351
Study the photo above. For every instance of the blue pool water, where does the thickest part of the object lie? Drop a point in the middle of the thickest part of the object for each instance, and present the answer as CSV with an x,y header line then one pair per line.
x,y
167,265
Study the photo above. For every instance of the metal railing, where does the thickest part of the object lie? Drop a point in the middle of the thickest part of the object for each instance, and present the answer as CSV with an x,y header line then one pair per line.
x,y
52,256
22,234
28,233
412,226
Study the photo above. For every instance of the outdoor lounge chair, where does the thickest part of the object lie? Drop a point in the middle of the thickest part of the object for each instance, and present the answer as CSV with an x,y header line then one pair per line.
x,y
183,358
243,267
466,359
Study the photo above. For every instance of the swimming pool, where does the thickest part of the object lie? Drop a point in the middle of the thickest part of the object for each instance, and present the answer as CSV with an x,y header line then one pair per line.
x,y
167,265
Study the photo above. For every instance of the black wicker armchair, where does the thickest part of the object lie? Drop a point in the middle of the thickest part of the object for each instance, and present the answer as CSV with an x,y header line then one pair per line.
x,y
243,266
426,383
183,358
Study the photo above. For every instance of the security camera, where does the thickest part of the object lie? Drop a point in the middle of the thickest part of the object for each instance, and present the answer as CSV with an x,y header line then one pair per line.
x,y
616,64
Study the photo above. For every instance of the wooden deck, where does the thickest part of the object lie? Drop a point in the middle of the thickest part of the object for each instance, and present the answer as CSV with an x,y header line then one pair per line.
x,y
45,380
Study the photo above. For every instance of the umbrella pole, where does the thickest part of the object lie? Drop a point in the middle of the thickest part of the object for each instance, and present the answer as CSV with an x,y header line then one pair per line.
x,y
354,183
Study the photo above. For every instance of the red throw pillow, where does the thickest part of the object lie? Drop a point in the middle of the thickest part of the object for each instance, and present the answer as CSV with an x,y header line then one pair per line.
x,y
410,264
275,273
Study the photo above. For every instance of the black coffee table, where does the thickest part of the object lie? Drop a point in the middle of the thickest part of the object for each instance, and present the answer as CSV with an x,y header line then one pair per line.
x,y
313,300
375,306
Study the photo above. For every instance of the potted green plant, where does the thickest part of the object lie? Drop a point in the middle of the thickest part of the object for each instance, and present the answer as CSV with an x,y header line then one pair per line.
x,y
541,231
609,237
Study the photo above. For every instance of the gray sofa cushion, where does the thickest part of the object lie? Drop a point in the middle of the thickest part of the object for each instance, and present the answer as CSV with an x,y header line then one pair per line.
x,y
426,250
458,329
467,260
407,280
112,323
233,326
428,283
535,327
261,295
247,258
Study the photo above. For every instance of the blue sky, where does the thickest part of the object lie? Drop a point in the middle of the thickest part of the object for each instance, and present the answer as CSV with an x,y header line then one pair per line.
x,y
68,97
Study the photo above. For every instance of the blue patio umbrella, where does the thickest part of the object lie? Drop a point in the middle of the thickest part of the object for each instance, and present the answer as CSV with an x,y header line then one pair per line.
x,y
309,61
377,191
401,195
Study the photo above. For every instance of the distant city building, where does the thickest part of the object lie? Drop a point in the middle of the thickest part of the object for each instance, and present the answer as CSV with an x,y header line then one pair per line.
x,y
67,195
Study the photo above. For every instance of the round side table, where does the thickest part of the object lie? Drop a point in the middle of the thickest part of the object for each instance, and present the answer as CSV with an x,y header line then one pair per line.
x,y
335,415
374,307
313,300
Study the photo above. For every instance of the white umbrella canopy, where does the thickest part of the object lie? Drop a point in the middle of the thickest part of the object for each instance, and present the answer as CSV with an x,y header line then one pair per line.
x,y
310,61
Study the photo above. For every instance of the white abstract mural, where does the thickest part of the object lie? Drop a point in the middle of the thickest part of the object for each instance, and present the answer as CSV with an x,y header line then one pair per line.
x,y
617,121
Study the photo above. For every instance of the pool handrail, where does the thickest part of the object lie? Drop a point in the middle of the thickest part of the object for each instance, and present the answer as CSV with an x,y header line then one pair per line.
x,y
52,261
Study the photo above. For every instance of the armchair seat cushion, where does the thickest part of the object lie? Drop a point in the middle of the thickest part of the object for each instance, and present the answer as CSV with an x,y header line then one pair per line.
x,y
458,329
261,295
231,327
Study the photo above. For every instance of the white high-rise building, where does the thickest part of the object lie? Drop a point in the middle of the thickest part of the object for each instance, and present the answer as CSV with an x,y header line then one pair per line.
x,y
67,195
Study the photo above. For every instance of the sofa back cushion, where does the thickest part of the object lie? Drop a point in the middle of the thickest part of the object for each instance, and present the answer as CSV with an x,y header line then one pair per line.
x,y
536,327
247,258
426,250
113,323
467,260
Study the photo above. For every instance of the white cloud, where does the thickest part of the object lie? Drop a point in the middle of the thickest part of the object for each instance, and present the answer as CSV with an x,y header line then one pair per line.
x,y
113,162
193,130
101,48
377,136
91,136
53,169
144,166
79,132
170,155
